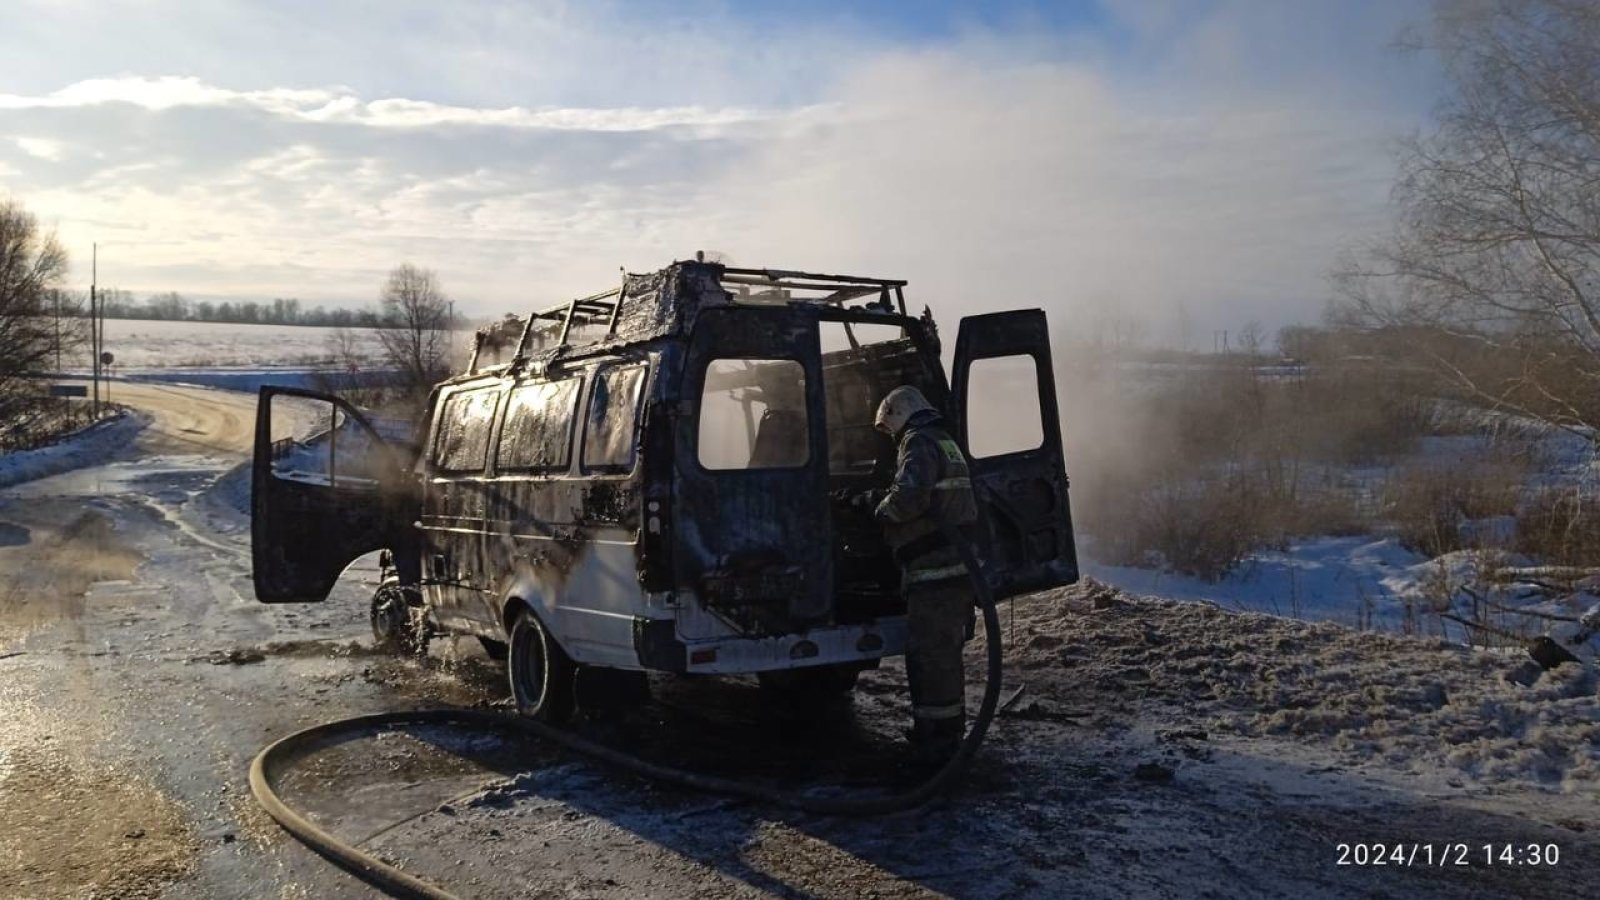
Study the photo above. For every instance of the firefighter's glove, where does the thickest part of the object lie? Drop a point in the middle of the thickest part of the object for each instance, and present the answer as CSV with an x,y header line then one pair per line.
x,y
867,501
859,501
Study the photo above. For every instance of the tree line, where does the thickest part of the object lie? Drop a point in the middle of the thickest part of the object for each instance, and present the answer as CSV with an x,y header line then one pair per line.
x,y
171,306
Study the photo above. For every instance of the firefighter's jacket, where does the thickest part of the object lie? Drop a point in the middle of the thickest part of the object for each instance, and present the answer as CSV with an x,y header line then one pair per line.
x,y
932,490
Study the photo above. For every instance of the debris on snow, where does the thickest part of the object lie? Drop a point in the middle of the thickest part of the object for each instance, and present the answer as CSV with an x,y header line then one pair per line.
x,y
1412,703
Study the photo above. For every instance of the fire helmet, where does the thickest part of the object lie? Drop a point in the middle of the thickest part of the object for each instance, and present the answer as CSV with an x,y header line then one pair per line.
x,y
897,409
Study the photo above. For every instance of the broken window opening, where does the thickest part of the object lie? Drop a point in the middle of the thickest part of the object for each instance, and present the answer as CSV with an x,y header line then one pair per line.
x,y
463,441
861,363
537,435
753,415
608,432
1003,410
316,442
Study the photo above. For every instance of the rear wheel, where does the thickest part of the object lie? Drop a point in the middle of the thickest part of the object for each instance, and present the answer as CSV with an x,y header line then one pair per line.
x,y
814,683
541,673
396,616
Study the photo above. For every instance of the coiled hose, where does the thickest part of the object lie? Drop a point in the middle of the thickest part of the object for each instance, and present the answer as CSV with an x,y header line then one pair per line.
x,y
283,752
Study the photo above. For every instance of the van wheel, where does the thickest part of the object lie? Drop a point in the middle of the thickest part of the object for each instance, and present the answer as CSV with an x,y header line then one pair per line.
x,y
814,683
541,673
495,650
396,622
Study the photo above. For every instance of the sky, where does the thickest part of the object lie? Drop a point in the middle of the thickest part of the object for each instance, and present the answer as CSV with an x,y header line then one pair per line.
x,y
1185,165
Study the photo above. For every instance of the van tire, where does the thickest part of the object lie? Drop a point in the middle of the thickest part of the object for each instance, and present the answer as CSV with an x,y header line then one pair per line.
x,y
541,673
396,627
813,683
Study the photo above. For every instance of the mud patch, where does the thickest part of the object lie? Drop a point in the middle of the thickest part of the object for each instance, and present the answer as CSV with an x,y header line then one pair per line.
x,y
74,829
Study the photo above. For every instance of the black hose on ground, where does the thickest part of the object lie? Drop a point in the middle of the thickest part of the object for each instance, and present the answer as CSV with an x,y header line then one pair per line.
x,y
281,753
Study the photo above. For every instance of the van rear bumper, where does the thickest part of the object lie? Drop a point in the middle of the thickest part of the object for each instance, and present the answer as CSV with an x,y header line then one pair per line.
x,y
659,648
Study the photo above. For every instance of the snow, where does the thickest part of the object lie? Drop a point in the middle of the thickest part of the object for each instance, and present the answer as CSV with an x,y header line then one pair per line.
x,y
238,357
1371,581
89,446
1407,703
139,344
1347,580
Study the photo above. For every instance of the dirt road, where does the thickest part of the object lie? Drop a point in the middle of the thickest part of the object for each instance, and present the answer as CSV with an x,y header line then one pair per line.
x,y
138,677
189,420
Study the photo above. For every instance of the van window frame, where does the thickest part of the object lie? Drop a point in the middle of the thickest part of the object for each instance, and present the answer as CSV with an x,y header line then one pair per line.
x,y
699,408
490,446
504,421
595,376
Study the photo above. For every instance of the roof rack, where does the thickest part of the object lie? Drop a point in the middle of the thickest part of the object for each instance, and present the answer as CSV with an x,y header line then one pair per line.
x,y
606,306
843,288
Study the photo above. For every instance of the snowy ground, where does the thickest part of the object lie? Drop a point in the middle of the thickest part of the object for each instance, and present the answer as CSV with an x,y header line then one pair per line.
x,y
90,445
1371,581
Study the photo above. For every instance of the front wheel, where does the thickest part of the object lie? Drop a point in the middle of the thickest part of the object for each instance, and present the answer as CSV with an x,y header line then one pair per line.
x,y
397,624
541,673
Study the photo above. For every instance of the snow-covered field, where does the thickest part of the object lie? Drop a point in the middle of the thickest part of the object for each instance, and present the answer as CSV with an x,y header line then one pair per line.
x,y
146,345
240,357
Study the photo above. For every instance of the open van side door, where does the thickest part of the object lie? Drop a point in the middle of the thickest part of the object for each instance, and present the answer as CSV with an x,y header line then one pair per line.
x,y
1004,403
326,487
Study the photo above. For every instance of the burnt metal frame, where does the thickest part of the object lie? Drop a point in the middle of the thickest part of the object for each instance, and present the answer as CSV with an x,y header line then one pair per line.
x,y
608,303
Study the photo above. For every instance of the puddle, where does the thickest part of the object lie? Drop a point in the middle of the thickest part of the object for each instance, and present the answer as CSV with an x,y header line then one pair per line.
x,y
14,535
48,577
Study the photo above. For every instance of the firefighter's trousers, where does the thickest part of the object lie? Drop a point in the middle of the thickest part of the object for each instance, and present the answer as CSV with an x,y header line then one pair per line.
x,y
938,614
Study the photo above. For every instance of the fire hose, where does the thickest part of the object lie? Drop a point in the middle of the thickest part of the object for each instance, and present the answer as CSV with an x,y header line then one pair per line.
x,y
276,757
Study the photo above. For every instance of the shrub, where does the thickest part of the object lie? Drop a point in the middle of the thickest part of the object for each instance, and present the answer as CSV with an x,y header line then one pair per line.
x,y
1429,502
1560,526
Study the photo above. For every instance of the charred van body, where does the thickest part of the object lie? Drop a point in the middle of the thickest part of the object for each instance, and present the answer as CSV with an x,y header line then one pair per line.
x,y
646,481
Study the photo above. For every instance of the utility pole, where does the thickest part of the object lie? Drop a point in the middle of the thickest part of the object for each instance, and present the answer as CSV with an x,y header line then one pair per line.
x,y
94,327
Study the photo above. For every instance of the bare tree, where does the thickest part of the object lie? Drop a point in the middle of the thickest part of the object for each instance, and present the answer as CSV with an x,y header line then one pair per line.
x,y
415,319
170,305
1252,337
1496,252
343,373
32,267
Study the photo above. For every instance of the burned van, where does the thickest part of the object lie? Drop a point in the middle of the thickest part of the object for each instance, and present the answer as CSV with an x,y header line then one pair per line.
x,y
655,477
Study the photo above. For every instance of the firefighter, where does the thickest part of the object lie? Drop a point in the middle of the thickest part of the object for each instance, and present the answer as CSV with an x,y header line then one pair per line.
x,y
930,500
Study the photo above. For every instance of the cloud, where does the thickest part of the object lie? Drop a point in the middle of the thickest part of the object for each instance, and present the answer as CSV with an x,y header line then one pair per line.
x,y
42,148
996,169
340,106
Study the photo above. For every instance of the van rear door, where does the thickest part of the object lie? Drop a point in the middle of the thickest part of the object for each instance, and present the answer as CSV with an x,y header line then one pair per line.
x,y
750,488
1004,400
326,487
